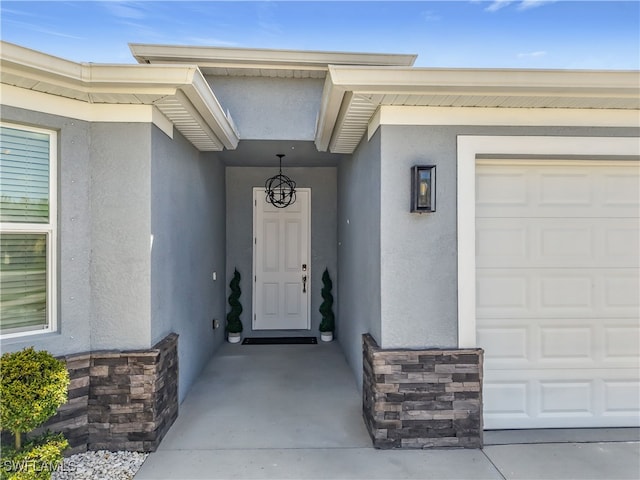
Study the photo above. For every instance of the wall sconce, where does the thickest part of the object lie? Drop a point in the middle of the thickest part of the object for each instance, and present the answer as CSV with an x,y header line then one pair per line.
x,y
423,188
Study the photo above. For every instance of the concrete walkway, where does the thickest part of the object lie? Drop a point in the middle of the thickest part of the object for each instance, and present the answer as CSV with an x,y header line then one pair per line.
x,y
294,412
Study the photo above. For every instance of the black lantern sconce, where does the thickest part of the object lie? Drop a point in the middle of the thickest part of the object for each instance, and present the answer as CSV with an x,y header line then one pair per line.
x,y
423,188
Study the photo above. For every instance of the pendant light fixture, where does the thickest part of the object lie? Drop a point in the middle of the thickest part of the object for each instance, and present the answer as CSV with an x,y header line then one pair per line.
x,y
280,190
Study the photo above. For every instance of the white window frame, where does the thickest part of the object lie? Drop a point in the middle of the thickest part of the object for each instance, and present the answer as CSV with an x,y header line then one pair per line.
x,y
50,229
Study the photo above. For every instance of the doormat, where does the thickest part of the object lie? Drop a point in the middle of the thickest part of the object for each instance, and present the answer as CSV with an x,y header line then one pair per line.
x,y
279,340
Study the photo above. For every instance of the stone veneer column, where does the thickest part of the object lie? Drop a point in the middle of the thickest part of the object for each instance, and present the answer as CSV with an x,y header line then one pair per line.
x,y
120,400
422,398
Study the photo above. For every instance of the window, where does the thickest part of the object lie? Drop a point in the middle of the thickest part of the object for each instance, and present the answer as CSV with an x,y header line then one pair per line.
x,y
27,230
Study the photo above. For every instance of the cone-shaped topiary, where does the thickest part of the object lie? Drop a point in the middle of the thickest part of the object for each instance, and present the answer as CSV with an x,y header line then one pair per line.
x,y
234,324
32,387
326,309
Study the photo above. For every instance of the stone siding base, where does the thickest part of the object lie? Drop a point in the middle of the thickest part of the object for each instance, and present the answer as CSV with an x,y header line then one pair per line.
x,y
422,398
119,400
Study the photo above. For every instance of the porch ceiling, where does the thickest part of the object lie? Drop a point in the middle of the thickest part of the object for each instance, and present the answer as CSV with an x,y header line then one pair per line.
x,y
353,94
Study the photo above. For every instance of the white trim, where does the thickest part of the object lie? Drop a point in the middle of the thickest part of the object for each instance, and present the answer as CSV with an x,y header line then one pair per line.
x,y
423,96
80,110
50,229
525,117
469,147
166,86
261,58
494,82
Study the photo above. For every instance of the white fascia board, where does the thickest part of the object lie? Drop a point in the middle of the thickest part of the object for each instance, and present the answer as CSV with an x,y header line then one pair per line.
x,y
138,75
15,54
202,97
85,82
261,58
330,104
424,81
494,116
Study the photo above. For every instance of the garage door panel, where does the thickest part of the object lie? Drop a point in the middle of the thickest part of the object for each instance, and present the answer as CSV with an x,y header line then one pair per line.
x,y
621,292
562,187
586,190
566,398
621,397
563,292
505,344
557,242
620,189
621,244
502,242
560,344
547,399
507,188
558,293
506,291
506,399
621,343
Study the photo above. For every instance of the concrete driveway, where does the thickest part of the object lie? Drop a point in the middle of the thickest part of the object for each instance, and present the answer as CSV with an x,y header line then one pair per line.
x,y
294,412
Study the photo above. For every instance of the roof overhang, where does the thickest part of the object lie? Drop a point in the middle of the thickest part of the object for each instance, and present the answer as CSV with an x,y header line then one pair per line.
x,y
180,92
353,95
262,62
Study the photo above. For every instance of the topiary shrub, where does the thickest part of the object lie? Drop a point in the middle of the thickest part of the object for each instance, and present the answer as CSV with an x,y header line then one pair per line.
x,y
234,324
326,309
32,387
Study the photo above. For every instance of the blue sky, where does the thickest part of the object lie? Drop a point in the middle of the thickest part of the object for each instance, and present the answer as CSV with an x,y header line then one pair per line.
x,y
474,34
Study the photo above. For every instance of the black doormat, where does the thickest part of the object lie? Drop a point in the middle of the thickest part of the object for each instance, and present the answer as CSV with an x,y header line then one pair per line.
x,y
279,340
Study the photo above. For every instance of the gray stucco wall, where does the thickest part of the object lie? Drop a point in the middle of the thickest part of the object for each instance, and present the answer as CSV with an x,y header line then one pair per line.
x,y
188,230
270,108
74,234
418,252
103,235
120,235
323,184
359,260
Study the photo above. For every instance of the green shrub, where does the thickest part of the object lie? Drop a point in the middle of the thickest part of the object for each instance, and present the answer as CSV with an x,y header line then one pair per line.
x,y
326,309
32,387
234,324
37,460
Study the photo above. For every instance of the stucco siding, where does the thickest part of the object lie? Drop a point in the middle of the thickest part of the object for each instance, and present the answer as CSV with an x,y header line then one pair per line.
x,y
359,260
270,108
120,235
74,234
323,184
188,245
418,251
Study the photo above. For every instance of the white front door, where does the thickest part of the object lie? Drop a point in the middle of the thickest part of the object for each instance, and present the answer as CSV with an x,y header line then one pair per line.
x,y
281,263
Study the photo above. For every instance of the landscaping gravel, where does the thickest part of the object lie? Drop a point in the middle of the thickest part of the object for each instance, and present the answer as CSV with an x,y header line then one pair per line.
x,y
100,465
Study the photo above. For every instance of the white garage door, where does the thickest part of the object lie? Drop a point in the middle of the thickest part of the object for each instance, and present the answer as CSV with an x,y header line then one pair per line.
x,y
557,252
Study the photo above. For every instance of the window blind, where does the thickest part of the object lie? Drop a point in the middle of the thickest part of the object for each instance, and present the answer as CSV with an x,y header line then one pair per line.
x,y
23,281
24,176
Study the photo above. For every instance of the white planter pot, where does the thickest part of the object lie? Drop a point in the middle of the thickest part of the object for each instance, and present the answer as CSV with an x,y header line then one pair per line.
x,y
234,337
326,336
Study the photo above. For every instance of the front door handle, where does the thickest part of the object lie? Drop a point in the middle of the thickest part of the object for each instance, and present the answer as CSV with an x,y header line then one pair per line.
x,y
304,284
